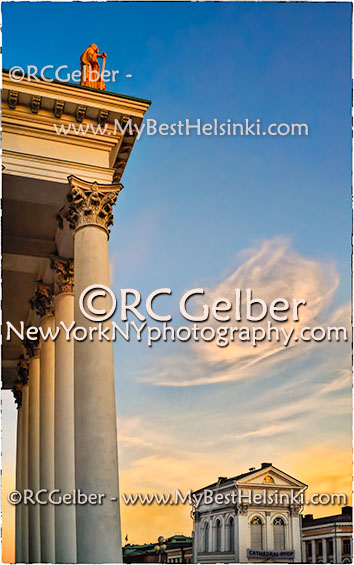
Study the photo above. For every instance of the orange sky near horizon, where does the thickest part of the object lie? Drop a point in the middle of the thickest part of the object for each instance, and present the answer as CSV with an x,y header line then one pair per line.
x,y
322,468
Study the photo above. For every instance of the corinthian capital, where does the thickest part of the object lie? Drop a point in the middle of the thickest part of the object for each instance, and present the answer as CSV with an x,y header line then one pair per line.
x,y
31,346
63,274
23,370
17,392
90,203
22,379
242,509
42,300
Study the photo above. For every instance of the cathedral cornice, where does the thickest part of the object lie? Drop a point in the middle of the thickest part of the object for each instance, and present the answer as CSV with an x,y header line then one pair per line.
x,y
34,107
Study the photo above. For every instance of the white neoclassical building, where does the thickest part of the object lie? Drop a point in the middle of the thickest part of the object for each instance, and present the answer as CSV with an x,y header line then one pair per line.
x,y
253,517
58,197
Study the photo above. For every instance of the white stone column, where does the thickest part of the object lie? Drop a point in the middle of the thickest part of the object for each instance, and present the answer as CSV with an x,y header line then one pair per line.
x,y
65,515
313,551
42,302
47,441
33,459
196,536
295,527
22,413
243,533
338,556
324,550
96,458
223,533
236,534
19,507
24,473
212,537
269,532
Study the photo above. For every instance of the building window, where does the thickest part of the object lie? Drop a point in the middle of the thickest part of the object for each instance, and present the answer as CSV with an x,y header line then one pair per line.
x,y
330,547
206,537
346,547
256,533
218,535
231,533
308,552
279,534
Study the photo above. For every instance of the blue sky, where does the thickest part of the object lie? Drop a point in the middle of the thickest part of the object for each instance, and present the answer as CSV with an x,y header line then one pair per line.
x,y
277,62
191,205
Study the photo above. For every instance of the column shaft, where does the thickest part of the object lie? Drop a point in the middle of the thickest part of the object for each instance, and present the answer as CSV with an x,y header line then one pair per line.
x,y
47,439
24,472
324,550
33,460
269,532
65,515
19,507
196,540
338,556
96,458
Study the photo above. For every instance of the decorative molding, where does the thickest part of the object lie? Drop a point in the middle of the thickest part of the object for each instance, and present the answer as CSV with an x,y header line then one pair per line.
x,y
59,218
42,300
79,102
12,99
46,168
121,163
31,346
23,370
63,274
58,108
36,104
80,113
90,203
196,515
126,148
242,509
17,392
124,120
21,381
71,93
102,117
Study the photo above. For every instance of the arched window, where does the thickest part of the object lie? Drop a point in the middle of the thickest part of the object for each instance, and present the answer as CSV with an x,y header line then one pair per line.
x,y
218,535
279,534
206,537
231,532
256,533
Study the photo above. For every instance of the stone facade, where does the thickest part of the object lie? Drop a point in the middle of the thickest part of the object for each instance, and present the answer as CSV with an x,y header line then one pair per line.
x,y
248,518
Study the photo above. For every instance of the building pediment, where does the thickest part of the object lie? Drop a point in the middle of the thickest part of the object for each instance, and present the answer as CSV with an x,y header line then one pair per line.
x,y
269,477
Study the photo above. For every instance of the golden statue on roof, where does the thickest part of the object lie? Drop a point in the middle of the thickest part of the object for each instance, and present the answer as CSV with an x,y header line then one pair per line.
x,y
90,67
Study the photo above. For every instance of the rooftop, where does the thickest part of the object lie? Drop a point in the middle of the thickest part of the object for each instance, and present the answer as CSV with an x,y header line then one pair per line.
x,y
79,86
346,516
171,543
252,471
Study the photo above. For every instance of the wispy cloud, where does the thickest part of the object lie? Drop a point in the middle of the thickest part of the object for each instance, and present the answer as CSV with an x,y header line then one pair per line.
x,y
272,270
